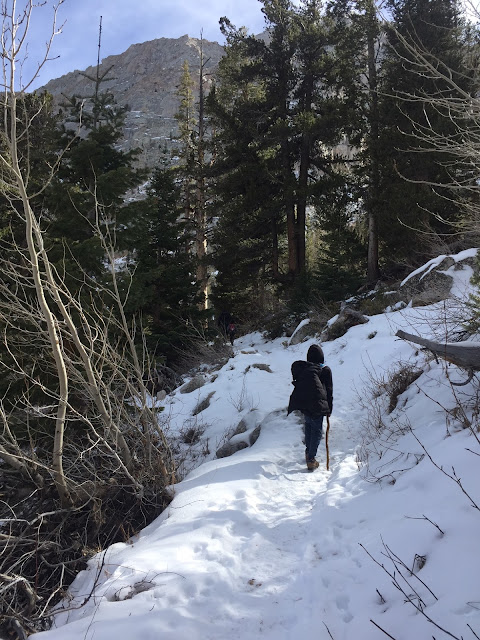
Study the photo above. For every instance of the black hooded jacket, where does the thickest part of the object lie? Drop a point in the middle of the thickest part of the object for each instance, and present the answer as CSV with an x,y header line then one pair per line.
x,y
313,393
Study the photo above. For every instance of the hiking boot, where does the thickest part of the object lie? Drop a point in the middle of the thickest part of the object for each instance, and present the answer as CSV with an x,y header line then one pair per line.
x,y
312,464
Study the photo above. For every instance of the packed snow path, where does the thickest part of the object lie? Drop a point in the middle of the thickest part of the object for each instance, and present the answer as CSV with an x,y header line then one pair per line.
x,y
255,546
257,553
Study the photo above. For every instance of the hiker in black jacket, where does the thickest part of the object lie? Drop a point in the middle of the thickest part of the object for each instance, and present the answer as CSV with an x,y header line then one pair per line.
x,y
313,396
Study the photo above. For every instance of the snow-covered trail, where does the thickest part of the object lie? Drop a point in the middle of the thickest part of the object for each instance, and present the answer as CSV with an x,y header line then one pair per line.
x,y
243,559
254,546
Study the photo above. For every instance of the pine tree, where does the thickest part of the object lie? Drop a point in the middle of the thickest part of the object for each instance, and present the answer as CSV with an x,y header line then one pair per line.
x,y
163,289
192,168
187,123
247,207
358,55
322,119
90,186
414,209
280,109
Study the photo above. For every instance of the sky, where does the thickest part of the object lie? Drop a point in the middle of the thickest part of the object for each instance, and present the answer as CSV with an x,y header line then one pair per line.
x,y
382,544
124,23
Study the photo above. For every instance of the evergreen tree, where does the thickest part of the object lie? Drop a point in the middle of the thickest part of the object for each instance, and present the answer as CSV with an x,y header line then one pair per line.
x,y
247,204
323,119
187,123
279,110
90,186
414,181
358,56
163,289
193,164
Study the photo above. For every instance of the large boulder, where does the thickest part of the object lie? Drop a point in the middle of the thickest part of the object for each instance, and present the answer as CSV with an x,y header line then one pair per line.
x,y
192,385
428,285
347,318
304,330
244,435
431,283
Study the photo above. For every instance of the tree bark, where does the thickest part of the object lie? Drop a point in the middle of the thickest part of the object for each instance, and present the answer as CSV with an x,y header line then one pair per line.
x,y
463,354
373,271
200,213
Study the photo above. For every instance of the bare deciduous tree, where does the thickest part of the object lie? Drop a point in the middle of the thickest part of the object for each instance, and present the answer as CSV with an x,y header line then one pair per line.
x,y
84,456
455,101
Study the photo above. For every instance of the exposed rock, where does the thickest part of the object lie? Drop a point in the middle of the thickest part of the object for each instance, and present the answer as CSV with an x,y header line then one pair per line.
x,y
259,365
145,77
303,331
193,384
254,435
245,435
347,318
229,448
429,287
203,404
241,428
262,366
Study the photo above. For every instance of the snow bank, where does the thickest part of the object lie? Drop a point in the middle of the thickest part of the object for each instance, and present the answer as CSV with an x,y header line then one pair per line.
x,y
253,545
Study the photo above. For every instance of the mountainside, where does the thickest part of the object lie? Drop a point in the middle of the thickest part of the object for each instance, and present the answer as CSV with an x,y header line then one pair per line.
x,y
145,77
382,542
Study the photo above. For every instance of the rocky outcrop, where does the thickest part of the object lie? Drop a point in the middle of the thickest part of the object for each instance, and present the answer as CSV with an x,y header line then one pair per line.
x,y
431,283
145,77
192,385
245,435
347,318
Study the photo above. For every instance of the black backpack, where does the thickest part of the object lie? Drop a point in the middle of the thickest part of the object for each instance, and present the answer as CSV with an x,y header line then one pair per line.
x,y
310,395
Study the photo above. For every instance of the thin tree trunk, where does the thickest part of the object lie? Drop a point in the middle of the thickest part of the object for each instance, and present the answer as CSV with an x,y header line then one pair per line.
x,y
200,213
31,232
373,271
305,150
305,161
275,253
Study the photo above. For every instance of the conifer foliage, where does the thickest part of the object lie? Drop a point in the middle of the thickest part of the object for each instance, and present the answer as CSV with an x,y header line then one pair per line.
x,y
91,184
163,289
278,111
317,127
416,180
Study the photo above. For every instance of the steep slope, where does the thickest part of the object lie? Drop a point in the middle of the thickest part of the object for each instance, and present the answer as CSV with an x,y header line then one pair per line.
x,y
384,544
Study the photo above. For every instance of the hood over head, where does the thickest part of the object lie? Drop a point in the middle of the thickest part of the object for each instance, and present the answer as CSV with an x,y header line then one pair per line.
x,y
315,354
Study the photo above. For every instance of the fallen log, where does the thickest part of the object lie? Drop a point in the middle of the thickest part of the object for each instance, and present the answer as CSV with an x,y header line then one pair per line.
x,y
463,354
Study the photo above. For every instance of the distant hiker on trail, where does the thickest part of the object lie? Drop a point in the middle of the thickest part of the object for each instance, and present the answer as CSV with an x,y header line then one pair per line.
x,y
313,396
231,331
224,319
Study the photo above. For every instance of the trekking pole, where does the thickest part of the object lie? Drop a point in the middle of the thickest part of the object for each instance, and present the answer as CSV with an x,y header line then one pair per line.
x,y
326,441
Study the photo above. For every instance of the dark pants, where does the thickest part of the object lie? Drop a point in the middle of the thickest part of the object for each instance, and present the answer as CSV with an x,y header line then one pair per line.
x,y
313,435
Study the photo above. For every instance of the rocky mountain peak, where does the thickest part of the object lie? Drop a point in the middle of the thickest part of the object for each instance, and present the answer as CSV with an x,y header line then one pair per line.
x,y
146,78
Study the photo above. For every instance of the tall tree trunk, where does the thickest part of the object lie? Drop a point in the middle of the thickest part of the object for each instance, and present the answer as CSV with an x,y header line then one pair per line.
x,y
200,213
305,156
373,271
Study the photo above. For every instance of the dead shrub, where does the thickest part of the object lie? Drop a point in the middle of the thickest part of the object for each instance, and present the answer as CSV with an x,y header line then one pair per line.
x,y
399,381
203,348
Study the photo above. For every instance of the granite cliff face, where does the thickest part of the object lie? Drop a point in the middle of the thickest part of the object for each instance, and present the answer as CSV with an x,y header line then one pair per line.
x,y
145,77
